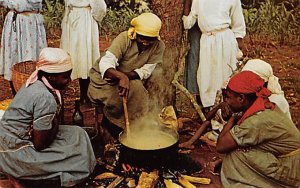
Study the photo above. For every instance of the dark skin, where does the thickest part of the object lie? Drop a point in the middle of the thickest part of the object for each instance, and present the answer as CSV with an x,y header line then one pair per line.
x,y
43,138
226,114
187,7
237,103
143,43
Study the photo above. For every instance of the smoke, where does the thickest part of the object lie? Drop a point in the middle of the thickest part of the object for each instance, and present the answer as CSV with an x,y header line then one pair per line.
x,y
149,121
160,88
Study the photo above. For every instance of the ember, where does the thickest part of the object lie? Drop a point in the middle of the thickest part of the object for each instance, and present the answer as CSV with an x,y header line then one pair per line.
x,y
127,175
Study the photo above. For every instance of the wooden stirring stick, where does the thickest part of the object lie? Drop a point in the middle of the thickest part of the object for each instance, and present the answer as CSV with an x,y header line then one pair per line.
x,y
126,115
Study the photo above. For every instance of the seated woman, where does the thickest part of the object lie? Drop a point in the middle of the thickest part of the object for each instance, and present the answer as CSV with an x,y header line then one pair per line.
x,y
262,145
33,144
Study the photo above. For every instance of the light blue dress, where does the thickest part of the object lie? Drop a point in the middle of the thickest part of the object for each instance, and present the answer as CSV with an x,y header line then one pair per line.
x,y
70,157
23,34
192,60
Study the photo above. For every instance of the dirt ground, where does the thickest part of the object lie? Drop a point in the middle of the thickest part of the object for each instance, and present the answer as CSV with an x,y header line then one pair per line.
x,y
284,59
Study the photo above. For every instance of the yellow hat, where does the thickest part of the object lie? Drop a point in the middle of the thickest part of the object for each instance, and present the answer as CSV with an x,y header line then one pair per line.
x,y
146,24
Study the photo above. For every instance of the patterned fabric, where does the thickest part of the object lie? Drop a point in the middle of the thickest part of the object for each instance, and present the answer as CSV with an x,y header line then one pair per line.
x,y
70,157
268,135
23,35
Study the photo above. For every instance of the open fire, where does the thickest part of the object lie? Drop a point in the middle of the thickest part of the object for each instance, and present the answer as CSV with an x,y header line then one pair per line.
x,y
120,174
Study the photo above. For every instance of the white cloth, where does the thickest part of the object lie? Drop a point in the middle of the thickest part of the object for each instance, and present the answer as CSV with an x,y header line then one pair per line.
x,y
80,34
110,61
265,71
1,113
218,45
22,39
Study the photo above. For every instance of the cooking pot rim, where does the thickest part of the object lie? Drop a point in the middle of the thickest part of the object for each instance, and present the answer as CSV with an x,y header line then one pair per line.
x,y
176,136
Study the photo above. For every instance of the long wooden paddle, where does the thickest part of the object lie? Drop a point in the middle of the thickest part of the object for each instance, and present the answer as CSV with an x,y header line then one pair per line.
x,y
126,115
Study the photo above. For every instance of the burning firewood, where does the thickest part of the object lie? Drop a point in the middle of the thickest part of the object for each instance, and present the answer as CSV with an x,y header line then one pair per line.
x,y
196,179
185,183
170,184
148,180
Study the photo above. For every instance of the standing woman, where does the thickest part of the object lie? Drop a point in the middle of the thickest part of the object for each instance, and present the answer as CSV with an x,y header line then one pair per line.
x,y
23,35
80,37
223,28
192,58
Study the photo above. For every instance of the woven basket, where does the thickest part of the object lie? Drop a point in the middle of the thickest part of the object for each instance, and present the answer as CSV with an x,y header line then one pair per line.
x,y
21,72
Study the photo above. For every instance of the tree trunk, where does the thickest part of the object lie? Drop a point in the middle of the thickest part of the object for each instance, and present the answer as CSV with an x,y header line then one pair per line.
x,y
160,87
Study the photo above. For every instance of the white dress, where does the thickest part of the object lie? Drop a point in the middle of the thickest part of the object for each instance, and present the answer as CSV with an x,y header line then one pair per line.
x,y
220,22
24,37
80,33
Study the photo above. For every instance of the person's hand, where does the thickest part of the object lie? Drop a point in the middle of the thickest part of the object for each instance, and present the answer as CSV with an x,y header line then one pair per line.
x,y
124,86
226,111
237,117
187,7
240,44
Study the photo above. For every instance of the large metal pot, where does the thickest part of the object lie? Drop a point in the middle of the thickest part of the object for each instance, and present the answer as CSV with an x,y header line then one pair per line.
x,y
154,158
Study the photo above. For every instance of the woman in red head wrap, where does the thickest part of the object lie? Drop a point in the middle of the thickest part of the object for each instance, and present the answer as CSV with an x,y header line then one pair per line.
x,y
262,144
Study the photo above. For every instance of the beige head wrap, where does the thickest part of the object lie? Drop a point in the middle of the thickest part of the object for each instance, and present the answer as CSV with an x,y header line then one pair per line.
x,y
265,71
51,60
146,24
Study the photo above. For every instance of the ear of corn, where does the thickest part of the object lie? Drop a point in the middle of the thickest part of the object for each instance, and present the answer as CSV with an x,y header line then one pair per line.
x,y
185,183
196,179
105,175
170,184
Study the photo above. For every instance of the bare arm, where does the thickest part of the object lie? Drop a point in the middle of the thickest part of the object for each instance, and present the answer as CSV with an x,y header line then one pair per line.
x,y
240,44
123,80
225,142
187,7
43,138
226,112
132,75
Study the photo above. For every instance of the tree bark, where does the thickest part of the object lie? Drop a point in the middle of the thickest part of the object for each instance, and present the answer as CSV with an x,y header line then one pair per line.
x,y
160,88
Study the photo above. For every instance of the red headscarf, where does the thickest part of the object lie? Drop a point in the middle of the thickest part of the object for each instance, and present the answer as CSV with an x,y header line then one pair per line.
x,y
247,82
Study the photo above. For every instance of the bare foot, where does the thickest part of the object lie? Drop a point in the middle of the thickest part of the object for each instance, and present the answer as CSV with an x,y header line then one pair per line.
x,y
215,165
186,145
208,141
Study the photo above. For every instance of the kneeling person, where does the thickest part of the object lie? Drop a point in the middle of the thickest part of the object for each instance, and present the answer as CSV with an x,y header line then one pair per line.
x,y
130,60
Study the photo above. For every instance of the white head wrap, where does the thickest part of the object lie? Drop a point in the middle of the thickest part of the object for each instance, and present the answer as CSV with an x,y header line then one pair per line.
x,y
51,60
265,71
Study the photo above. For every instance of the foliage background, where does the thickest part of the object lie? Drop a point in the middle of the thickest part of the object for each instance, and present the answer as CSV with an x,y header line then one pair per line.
x,y
278,20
